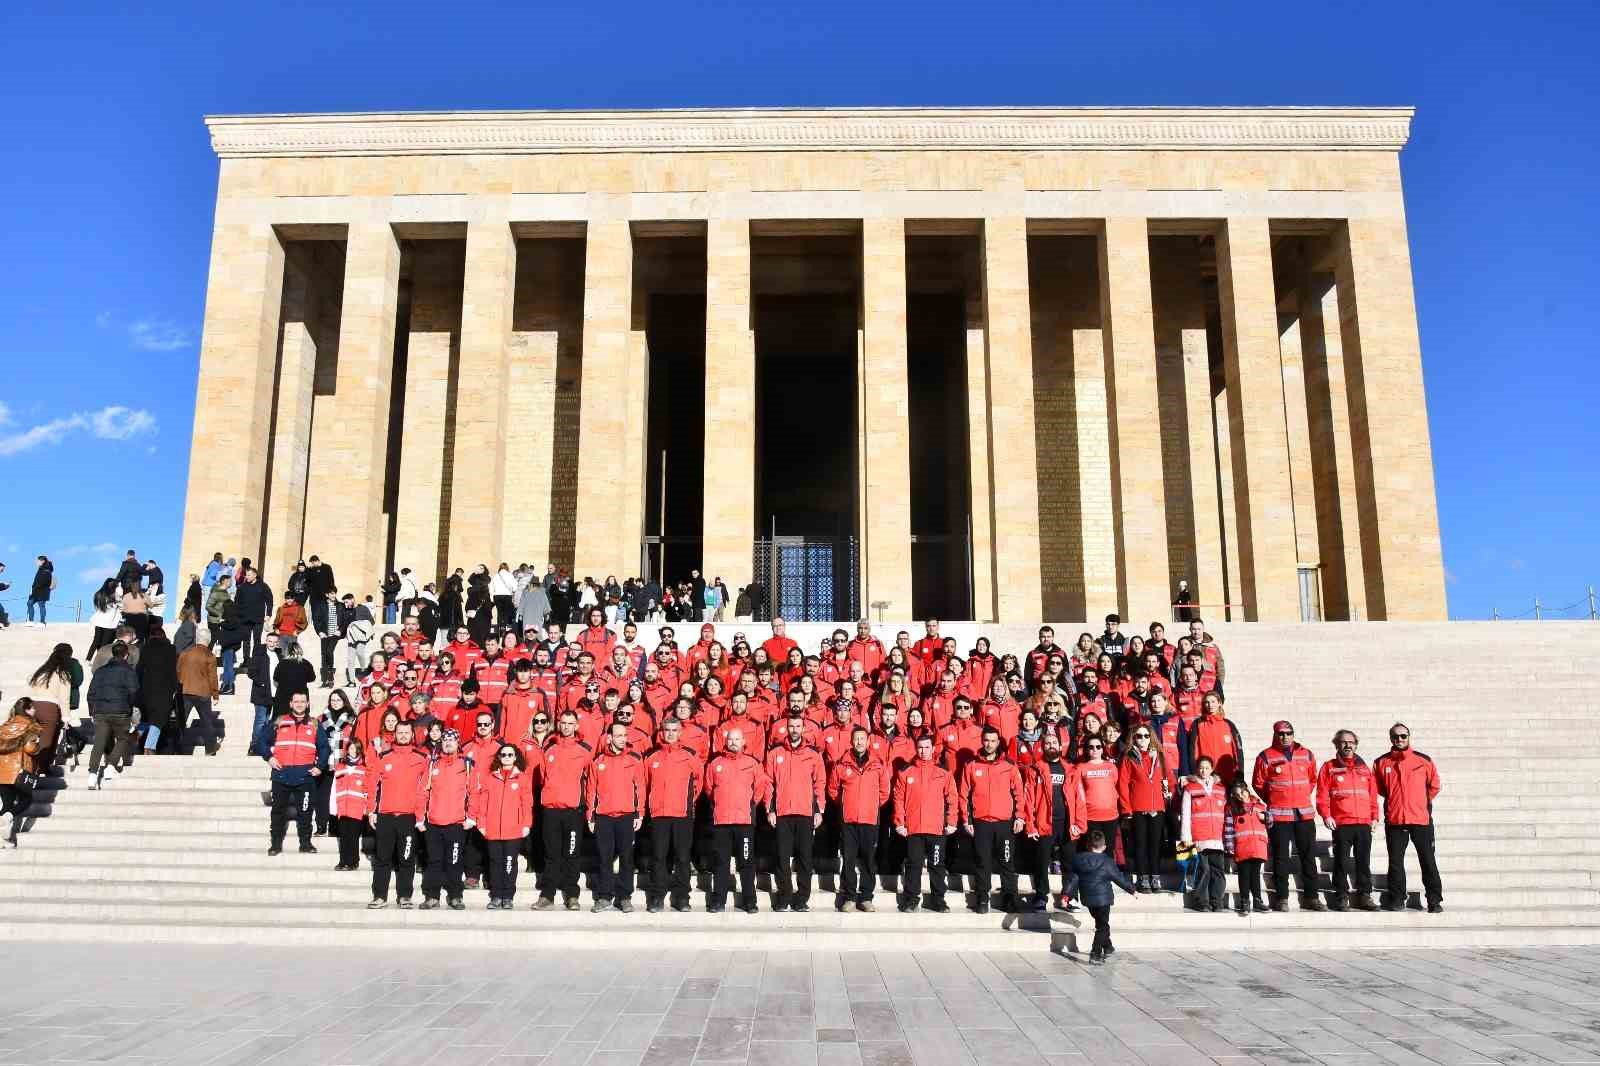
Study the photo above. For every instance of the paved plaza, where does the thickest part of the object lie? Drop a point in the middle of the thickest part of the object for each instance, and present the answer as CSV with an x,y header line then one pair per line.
x,y
188,1006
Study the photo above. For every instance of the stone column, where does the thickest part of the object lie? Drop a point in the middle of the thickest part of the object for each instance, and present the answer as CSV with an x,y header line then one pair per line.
x,y
981,479
344,519
728,531
291,433
478,463
433,337
1138,492
1206,582
1344,589
603,545
1298,430
637,406
1009,334
1402,559
1268,579
1097,535
530,412
885,419
233,401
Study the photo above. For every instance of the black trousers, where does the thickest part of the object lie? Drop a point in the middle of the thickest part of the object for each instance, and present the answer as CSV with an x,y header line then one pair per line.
x,y
394,851
445,846
1249,871
1352,860
1212,883
292,797
924,849
672,837
110,740
996,851
349,830
859,844
1144,844
1058,847
504,858
794,849
1102,927
473,856
329,643
736,844
505,611
613,838
563,833
1302,832
1397,837
208,724
252,638
15,801
1109,830
324,802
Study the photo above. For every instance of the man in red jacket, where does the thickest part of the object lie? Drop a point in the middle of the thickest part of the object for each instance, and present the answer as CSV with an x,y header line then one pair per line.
x,y
394,804
859,784
615,799
1408,781
735,783
925,814
674,776
992,802
779,643
566,765
1285,778
866,649
797,796
1347,802
451,781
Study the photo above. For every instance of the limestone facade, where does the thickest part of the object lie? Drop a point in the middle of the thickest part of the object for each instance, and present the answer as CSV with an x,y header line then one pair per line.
x,y
1190,348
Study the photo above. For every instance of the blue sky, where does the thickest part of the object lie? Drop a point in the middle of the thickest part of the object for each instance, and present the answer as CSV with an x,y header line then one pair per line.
x,y
107,194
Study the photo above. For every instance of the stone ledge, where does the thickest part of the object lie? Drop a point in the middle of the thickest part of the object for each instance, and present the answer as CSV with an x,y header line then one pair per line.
x,y
791,130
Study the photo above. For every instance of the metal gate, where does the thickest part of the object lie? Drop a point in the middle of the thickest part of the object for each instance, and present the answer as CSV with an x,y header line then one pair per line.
x,y
808,579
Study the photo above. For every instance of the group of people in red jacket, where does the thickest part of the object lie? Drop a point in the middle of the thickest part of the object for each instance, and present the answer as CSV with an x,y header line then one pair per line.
x,y
565,751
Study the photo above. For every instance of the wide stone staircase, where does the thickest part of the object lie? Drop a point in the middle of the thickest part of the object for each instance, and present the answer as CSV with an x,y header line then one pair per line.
x,y
175,848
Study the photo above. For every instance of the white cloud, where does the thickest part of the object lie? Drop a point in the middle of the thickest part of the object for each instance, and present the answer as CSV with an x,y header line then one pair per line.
x,y
108,423
159,335
5,414
98,571
74,550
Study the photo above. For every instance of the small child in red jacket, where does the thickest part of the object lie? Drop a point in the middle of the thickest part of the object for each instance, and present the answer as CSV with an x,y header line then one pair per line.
x,y
1245,841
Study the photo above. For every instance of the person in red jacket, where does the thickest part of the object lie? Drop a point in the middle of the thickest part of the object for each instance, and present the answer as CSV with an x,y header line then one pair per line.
x,y
735,783
1056,817
992,803
1205,808
1217,738
797,797
1144,790
446,814
1347,803
502,807
1285,778
566,765
615,789
1408,781
866,649
394,805
350,802
1244,840
926,810
859,783
674,776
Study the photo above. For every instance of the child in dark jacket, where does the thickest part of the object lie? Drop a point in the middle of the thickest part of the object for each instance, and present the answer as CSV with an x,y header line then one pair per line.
x,y
1093,874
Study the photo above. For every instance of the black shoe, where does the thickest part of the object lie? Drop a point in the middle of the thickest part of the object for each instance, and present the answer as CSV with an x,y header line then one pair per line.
x,y
428,905
1213,906
405,904
779,906
1097,956
275,850
1435,907
1339,904
750,908
1110,950
1312,902
1364,903
840,904
711,908
308,849
457,904
652,908
799,908
1280,904
981,907
684,908
1258,905
904,906
937,905
1392,905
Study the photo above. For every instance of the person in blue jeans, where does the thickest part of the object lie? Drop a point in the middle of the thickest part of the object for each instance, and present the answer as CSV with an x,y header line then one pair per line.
x,y
1093,874
261,665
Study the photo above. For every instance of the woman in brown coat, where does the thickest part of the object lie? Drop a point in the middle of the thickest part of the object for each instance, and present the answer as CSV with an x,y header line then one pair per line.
x,y
21,738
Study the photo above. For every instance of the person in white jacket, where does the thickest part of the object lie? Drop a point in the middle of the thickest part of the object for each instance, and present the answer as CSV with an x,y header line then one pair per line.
x,y
503,589
1205,804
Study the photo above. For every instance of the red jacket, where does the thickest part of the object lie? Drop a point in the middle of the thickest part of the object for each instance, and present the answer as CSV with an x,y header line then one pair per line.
x,y
1408,782
673,779
861,789
896,752
1139,785
925,799
1204,811
869,653
450,783
1042,801
295,743
1245,832
566,762
735,783
991,791
1286,781
1217,739
1100,782
615,784
960,741
517,708
597,641
503,804
798,779
350,790
399,783
493,678
1347,792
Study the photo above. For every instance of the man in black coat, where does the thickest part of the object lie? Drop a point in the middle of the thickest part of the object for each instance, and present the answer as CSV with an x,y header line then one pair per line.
x,y
130,575
253,601
113,691
319,579
263,662
44,579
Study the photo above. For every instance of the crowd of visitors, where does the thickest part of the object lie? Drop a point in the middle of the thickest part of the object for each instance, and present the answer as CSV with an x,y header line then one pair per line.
x,y
489,733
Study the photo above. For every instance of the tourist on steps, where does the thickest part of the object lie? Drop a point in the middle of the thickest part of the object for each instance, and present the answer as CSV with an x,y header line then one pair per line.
x,y
1408,781
1347,803
297,751
1285,777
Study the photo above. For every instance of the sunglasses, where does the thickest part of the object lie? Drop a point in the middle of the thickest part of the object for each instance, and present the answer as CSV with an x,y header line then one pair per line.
x,y
1285,733
541,721
507,755
1399,736
1097,747
1141,736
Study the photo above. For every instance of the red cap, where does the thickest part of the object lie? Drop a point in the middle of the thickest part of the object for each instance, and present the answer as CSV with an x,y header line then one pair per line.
x,y
1280,725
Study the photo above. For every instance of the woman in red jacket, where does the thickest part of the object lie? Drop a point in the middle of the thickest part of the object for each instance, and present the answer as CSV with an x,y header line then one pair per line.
x,y
1144,788
502,807
350,803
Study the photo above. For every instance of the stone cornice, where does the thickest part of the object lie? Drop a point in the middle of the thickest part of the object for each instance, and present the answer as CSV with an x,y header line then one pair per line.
x,y
790,130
